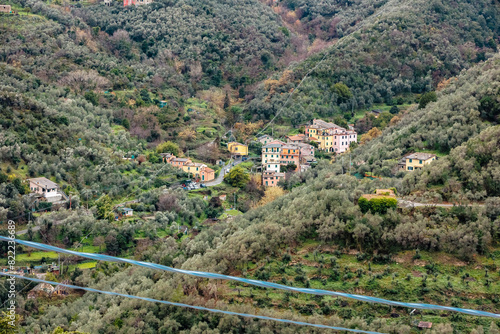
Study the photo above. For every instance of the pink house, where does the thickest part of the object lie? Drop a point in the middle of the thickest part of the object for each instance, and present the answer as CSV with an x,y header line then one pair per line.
x,y
271,179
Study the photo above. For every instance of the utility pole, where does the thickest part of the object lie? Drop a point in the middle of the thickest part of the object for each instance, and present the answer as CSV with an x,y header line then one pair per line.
x,y
342,165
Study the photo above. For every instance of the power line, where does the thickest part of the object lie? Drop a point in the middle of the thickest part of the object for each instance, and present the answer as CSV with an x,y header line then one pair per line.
x,y
199,308
263,284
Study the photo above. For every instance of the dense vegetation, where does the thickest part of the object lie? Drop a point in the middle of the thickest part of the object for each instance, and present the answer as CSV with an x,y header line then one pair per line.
x,y
404,48
209,41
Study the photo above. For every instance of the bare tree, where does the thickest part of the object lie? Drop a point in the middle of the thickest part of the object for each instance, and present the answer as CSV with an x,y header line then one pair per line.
x,y
82,80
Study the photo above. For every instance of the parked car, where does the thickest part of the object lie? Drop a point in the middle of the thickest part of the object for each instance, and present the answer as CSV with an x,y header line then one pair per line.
x,y
203,185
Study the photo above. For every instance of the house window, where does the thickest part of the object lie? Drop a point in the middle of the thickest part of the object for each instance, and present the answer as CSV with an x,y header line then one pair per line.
x,y
411,160
420,161
410,168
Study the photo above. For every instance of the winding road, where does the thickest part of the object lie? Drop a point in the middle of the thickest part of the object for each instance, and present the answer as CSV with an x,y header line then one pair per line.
x,y
223,172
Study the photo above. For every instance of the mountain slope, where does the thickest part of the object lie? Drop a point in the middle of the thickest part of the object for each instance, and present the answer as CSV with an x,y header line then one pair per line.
x,y
404,48
317,236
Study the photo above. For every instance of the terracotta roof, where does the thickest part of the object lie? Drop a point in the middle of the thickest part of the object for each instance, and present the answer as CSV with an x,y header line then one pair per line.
x,y
297,137
208,169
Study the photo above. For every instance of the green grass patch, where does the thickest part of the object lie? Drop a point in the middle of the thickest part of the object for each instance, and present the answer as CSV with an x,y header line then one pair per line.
x,y
231,213
35,257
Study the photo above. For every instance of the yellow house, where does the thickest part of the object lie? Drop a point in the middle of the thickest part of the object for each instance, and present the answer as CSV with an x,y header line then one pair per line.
x,y
237,148
193,168
417,161
199,171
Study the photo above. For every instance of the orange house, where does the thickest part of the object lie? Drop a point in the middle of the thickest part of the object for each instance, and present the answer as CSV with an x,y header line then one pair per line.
x,y
180,162
290,154
207,174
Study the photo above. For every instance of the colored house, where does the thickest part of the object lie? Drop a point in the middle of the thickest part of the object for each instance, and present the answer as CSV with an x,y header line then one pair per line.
x,y
237,149
45,187
330,137
271,159
207,174
167,157
180,162
417,161
300,138
305,149
163,104
290,154
271,178
199,171
5,9
127,212
265,139
136,2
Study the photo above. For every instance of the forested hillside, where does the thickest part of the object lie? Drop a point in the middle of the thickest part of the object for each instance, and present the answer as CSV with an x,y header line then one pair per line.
x,y
91,95
404,48
209,41
317,236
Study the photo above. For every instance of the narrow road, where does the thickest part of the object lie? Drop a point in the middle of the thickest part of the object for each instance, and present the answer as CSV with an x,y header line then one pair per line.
x,y
226,168
36,228
411,204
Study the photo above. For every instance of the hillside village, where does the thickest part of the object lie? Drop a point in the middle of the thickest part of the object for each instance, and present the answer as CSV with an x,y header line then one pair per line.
x,y
194,155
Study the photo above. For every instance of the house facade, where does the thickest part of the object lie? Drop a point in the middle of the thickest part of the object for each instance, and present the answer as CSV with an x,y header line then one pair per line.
x,y
417,161
290,154
265,139
136,2
198,170
271,178
300,138
305,149
330,137
237,149
180,162
5,8
167,157
271,156
207,174
42,185
46,188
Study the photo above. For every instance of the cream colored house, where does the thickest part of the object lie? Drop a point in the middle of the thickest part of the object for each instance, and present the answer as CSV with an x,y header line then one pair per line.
x,y
417,161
